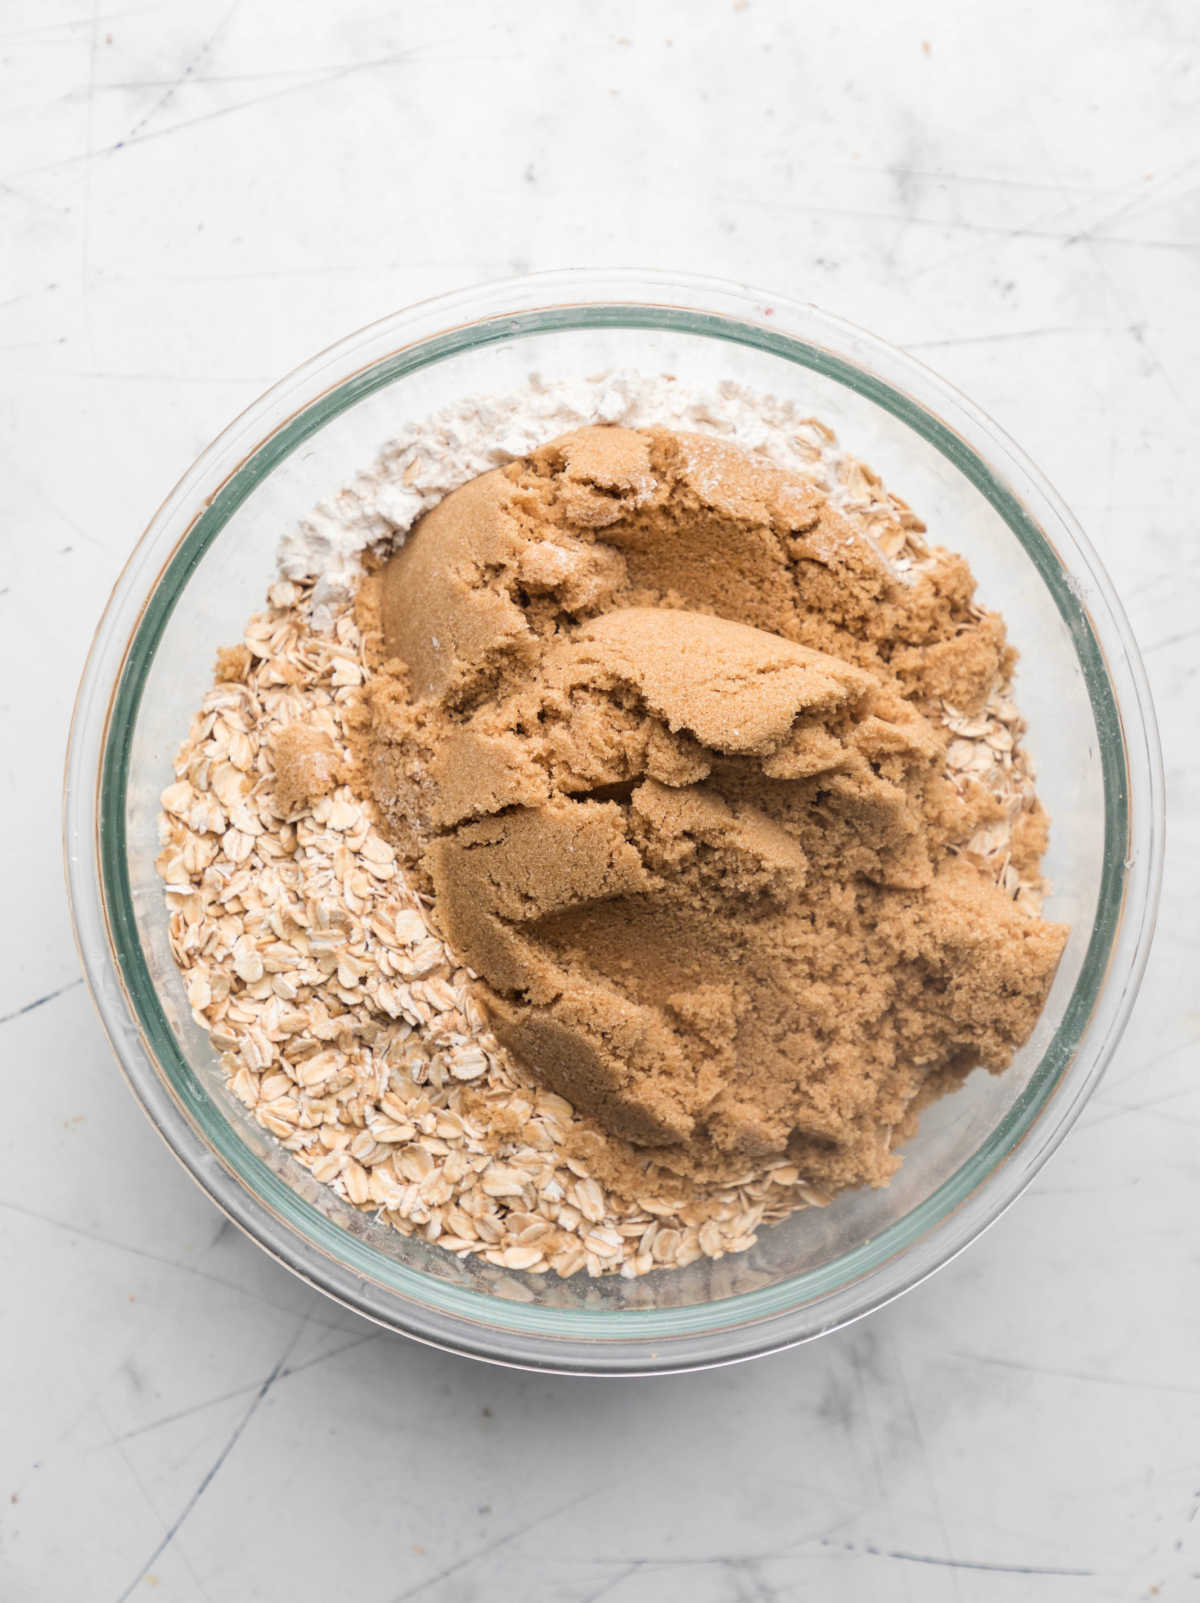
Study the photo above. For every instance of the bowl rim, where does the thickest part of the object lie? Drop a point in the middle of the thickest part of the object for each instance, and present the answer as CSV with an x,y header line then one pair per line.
x,y
290,1228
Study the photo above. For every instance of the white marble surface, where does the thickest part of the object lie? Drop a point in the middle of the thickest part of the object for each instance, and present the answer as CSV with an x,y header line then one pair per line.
x,y
193,198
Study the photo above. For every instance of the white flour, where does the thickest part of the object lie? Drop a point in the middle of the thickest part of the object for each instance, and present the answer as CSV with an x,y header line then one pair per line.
x,y
416,469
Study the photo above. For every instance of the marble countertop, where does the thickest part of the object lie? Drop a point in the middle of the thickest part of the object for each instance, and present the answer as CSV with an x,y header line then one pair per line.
x,y
194,198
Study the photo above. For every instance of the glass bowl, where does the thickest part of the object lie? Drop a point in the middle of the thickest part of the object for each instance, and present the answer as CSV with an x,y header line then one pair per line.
x,y
202,567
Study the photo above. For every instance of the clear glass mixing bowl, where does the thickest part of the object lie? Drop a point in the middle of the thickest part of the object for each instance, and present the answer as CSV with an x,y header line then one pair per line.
x,y
201,568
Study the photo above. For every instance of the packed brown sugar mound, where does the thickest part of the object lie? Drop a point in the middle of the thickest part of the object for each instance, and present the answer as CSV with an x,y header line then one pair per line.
x,y
662,733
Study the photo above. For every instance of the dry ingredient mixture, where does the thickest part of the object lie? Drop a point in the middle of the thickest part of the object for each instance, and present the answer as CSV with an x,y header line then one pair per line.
x,y
707,769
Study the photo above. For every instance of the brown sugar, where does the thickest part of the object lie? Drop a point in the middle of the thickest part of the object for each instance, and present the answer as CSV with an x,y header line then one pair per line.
x,y
661,732
232,664
307,766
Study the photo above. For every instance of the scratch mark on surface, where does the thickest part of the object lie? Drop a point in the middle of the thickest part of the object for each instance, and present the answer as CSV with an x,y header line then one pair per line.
x,y
27,295
927,1459
317,81
1139,194
1154,582
1113,1108
948,176
209,1476
164,378
240,1391
1060,223
155,1511
992,339
1091,240
1172,640
12,467
1138,333
70,25
490,1547
175,84
124,85
622,1574
973,1564
1037,228
160,1258
85,224
445,264
1150,1103
1152,1109
40,1001
1122,1382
